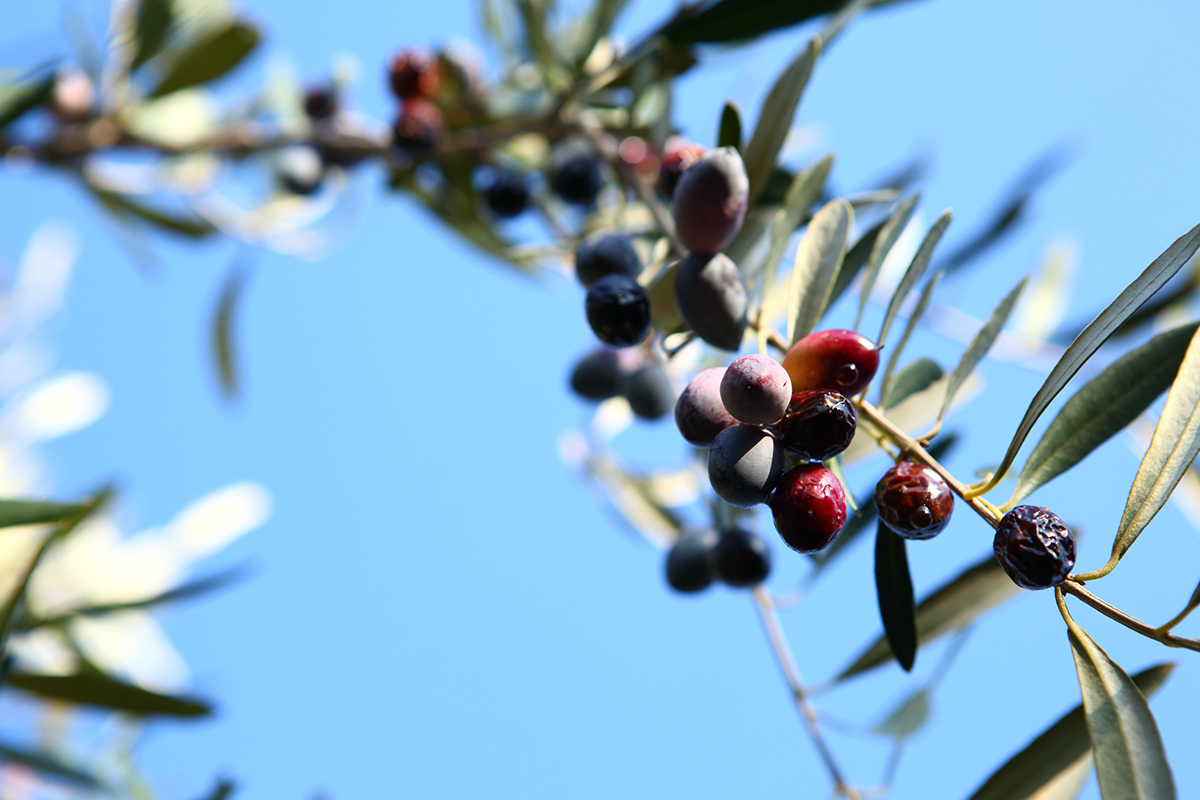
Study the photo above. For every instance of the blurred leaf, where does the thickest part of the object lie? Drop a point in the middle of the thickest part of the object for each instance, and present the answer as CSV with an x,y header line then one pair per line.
x,y
804,191
1097,332
775,119
17,98
1010,212
915,271
213,54
907,718
982,342
883,245
1043,308
190,225
953,605
1130,762
223,790
224,350
102,691
733,20
32,512
154,19
1103,406
818,259
915,376
730,132
533,14
180,120
632,499
886,390
49,764
855,260
603,13
1173,448
893,587
1057,751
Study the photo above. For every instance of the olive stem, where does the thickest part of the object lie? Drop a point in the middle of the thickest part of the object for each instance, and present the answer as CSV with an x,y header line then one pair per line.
x,y
1134,624
791,675
913,448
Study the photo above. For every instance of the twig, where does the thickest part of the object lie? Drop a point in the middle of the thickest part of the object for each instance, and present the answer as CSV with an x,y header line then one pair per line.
x,y
1070,587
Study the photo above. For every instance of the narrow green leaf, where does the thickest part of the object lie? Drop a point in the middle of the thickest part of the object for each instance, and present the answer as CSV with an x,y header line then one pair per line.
x,y
1103,406
209,57
730,132
856,259
734,20
907,718
953,605
18,98
981,343
885,385
189,225
916,269
775,119
882,246
915,376
1057,751
154,19
818,259
893,588
33,512
224,349
1161,270
1130,761
1173,448
101,691
223,790
49,764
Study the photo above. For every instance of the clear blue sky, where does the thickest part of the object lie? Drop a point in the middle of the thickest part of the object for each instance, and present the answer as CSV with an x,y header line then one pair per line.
x,y
440,608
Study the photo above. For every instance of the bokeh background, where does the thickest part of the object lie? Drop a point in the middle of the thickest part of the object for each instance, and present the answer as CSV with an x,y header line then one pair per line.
x,y
438,606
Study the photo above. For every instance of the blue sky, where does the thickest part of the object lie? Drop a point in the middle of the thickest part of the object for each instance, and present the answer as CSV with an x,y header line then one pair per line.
x,y
440,608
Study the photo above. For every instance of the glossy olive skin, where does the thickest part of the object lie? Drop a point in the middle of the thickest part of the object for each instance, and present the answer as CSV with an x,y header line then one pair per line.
x,y
809,507
710,200
711,298
688,566
741,558
606,254
914,501
837,360
744,465
756,389
818,425
618,311
1035,547
699,412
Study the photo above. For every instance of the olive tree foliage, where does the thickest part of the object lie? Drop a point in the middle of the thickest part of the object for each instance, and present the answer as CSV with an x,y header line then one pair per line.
x,y
567,91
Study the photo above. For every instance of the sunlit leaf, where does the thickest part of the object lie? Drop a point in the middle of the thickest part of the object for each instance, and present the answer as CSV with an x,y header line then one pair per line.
x,y
982,342
1130,761
907,718
730,132
893,588
953,605
775,119
32,512
18,98
1172,450
154,19
1057,752
916,269
213,54
224,349
882,246
818,259
50,765
885,384
101,691
915,376
1103,406
804,191
855,260
1161,270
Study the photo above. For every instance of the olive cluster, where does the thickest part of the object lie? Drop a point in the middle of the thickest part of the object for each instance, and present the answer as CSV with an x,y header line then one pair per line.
x,y
735,557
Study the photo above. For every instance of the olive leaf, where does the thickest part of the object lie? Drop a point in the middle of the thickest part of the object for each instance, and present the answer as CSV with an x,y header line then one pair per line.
x,y
893,587
102,691
879,251
32,512
818,259
953,605
18,98
49,765
907,718
1103,406
224,349
730,132
1058,752
915,376
188,225
775,119
210,56
154,20
1161,270
885,385
916,269
1173,448
1130,761
855,260
734,20
982,342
